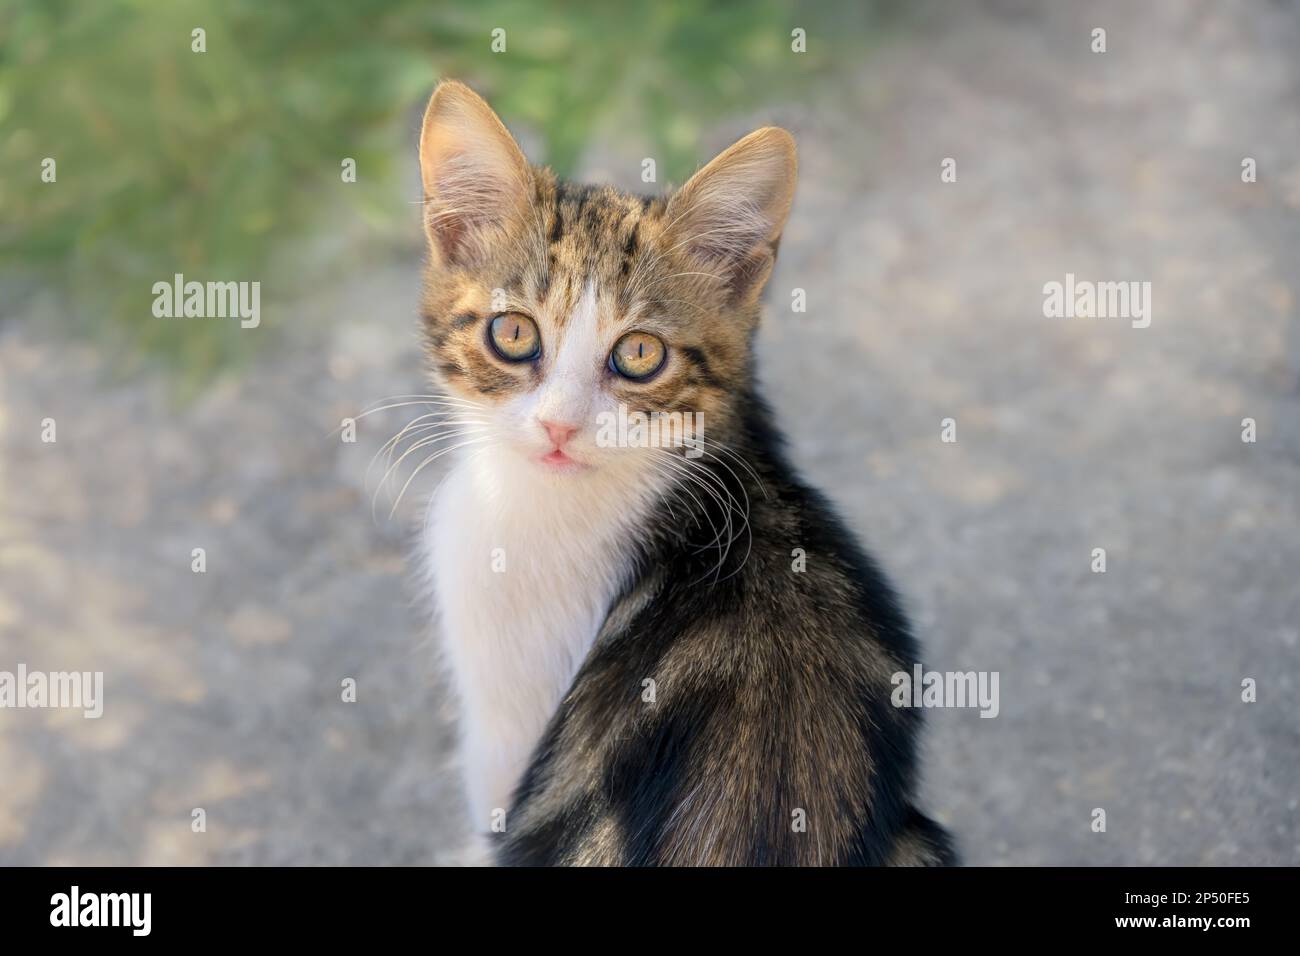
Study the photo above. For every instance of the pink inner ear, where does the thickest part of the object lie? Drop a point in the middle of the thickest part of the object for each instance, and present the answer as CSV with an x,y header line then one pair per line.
x,y
728,228
749,270
733,240
449,231
470,197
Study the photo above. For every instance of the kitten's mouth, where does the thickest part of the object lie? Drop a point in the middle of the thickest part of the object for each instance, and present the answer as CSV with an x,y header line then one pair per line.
x,y
558,460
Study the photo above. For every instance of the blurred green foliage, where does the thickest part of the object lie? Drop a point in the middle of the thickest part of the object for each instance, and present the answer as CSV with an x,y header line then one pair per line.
x,y
226,164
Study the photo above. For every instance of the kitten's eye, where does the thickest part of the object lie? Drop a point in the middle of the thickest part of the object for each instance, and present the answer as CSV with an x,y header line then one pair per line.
x,y
637,355
514,337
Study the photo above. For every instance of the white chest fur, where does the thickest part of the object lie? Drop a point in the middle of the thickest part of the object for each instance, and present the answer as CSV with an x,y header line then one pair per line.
x,y
524,568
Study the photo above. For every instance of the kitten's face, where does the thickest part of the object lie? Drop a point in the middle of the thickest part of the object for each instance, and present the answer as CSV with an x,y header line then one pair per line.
x,y
560,311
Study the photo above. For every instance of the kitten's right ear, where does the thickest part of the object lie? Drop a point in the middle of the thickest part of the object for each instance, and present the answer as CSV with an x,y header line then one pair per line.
x,y
729,216
477,183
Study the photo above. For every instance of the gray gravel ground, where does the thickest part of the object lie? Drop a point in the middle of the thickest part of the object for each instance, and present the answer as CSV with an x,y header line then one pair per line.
x,y
1118,690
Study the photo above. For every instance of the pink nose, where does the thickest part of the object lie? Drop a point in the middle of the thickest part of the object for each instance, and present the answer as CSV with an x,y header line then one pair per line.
x,y
559,434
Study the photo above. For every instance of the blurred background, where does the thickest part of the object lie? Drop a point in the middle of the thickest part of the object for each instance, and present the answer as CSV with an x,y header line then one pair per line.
x,y
1119,690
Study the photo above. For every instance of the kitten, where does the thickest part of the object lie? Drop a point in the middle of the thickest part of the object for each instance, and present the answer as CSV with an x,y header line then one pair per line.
x,y
645,675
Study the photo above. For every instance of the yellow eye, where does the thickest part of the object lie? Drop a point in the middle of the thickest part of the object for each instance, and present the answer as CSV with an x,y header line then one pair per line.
x,y
514,337
637,355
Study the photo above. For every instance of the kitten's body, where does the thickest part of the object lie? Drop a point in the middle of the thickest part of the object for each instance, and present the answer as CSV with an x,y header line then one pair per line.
x,y
648,673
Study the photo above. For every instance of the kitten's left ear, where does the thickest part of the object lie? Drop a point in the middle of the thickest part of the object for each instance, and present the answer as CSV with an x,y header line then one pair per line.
x,y
477,183
729,216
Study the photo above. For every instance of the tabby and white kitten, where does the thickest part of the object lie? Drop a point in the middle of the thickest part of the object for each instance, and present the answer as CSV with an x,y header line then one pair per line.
x,y
644,677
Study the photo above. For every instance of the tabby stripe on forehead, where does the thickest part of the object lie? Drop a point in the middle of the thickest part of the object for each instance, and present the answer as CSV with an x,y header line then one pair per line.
x,y
544,283
629,248
582,204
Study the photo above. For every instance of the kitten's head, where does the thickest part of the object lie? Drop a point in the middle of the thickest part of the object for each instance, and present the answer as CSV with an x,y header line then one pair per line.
x,y
554,310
